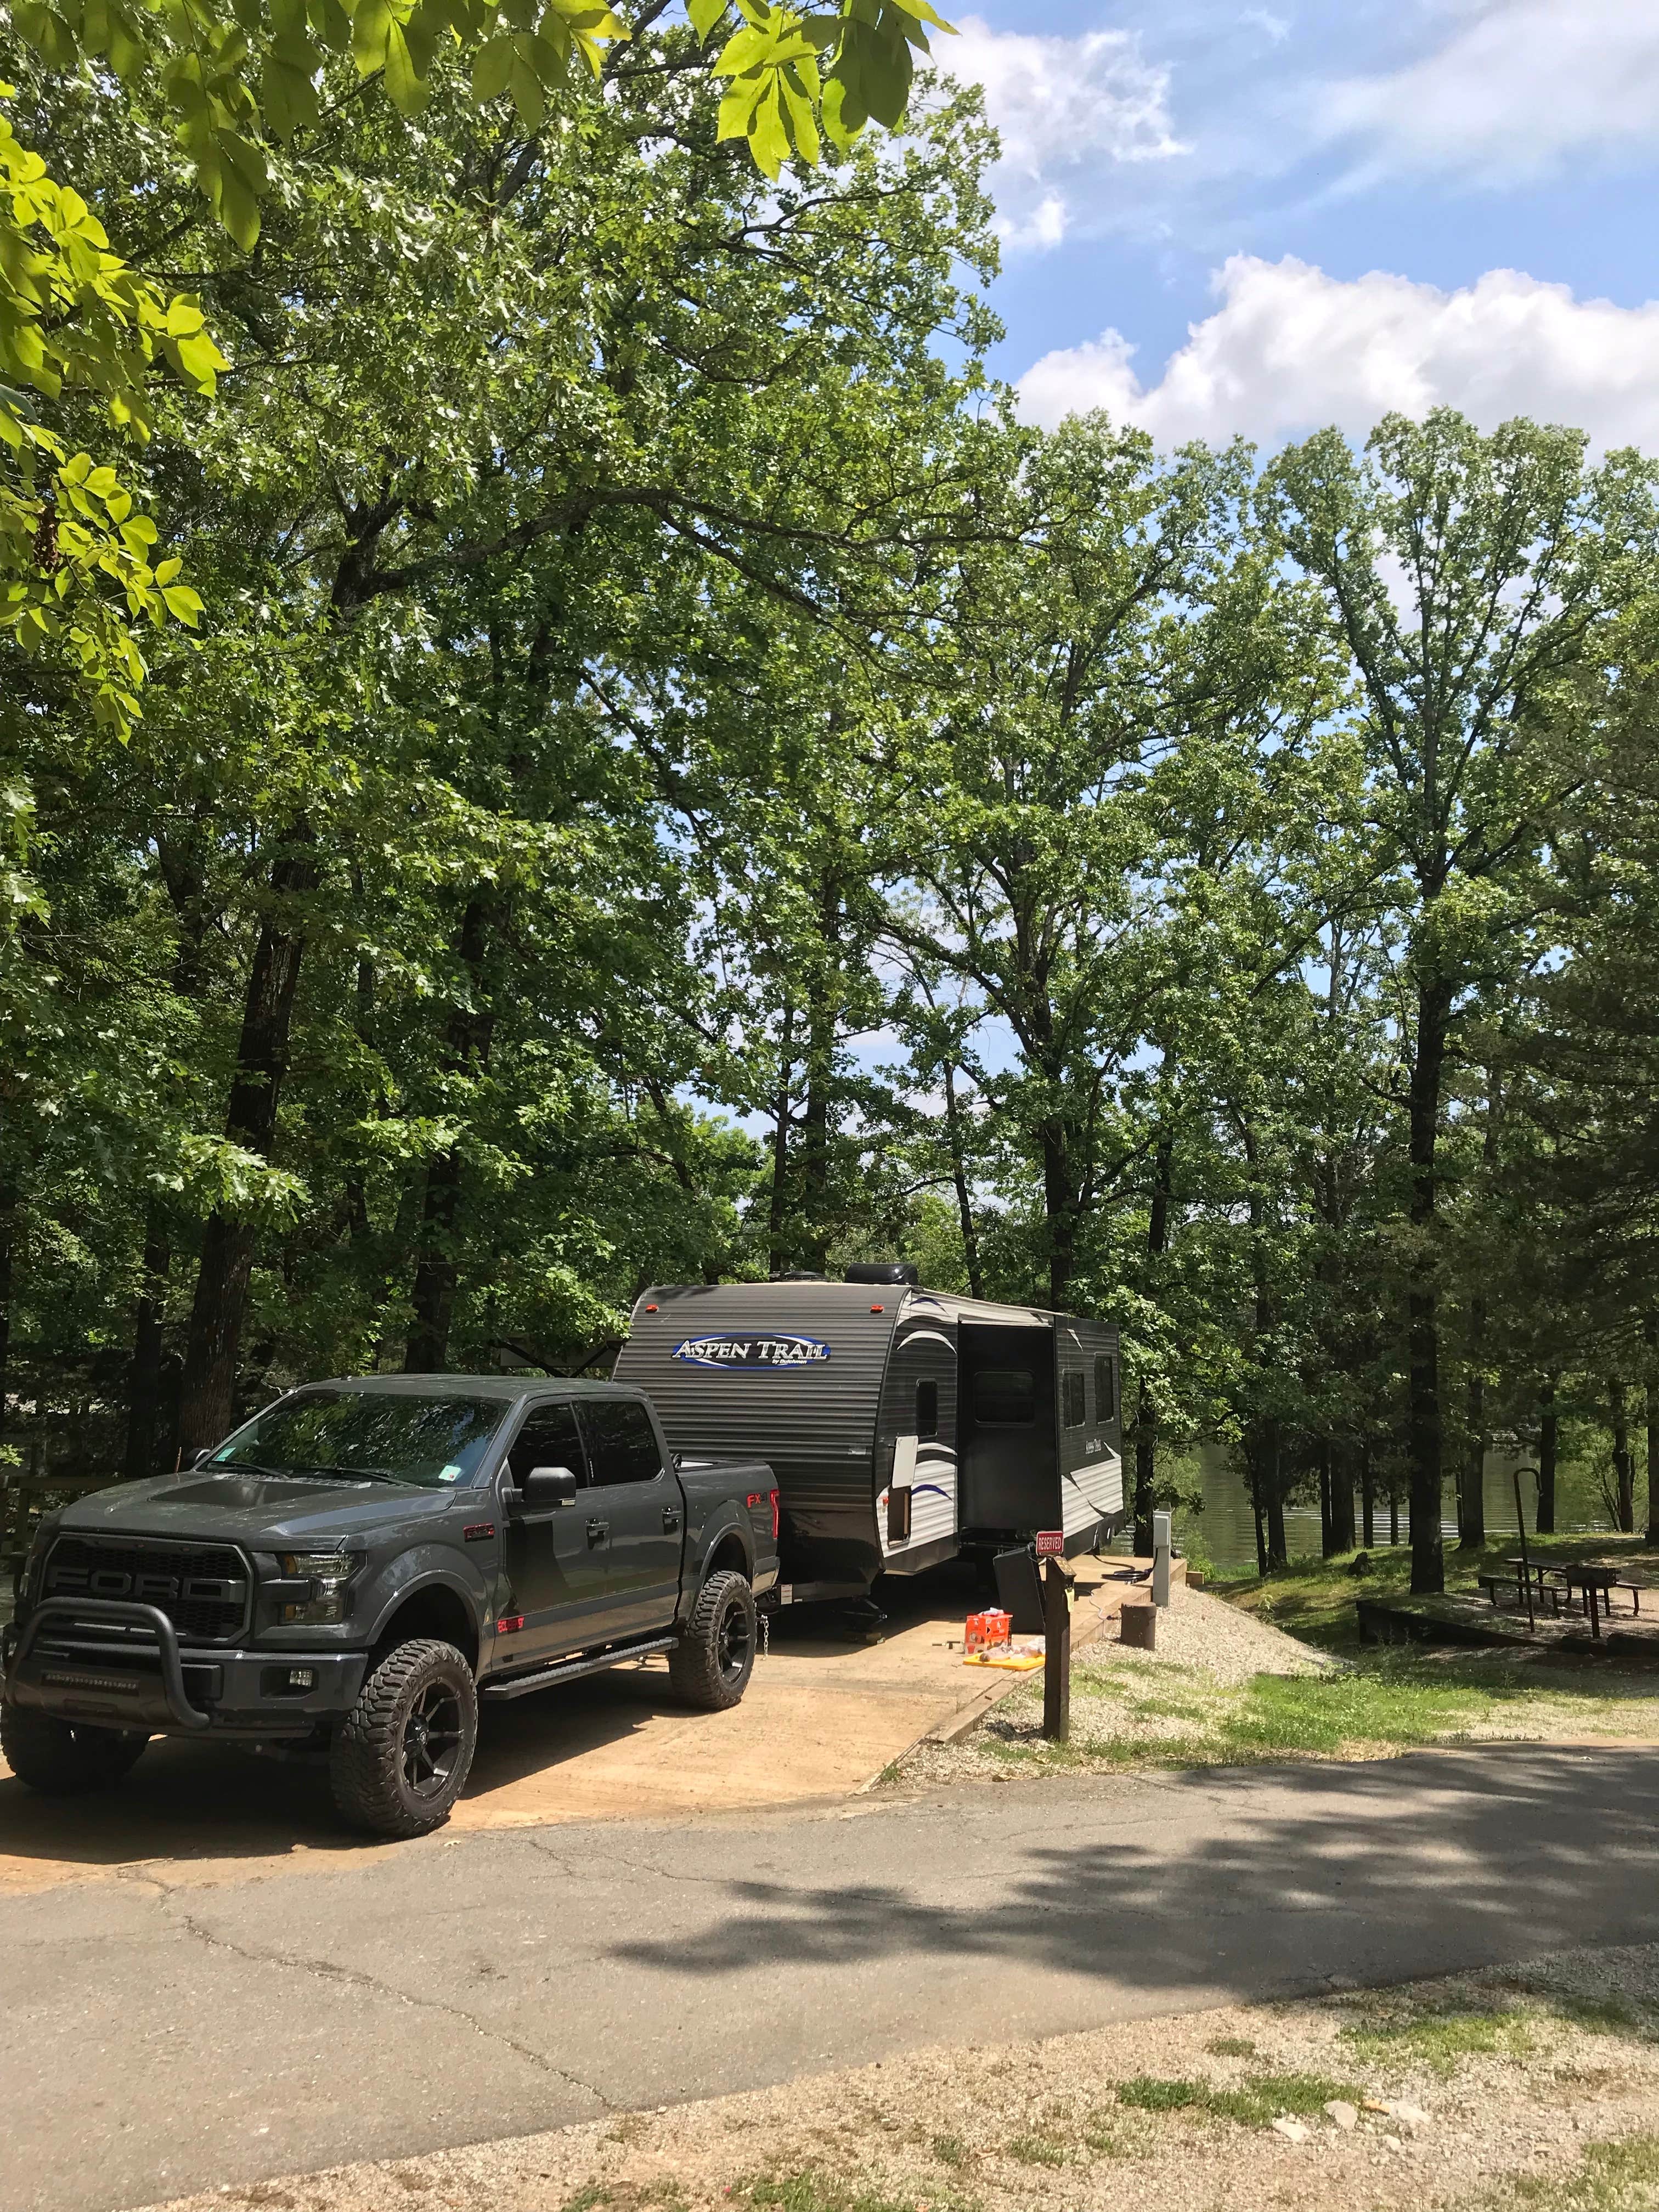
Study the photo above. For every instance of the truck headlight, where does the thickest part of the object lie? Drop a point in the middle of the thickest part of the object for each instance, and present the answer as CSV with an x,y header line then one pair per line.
x,y
328,1574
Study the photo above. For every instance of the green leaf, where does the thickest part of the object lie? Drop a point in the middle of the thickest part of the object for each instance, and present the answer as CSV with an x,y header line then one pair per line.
x,y
491,67
184,605
372,24
768,141
403,80
705,16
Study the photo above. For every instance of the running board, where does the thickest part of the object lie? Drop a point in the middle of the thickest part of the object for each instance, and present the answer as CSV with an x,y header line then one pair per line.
x,y
569,1670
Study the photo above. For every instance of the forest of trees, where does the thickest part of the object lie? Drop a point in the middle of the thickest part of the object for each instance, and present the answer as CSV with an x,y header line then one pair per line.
x,y
670,779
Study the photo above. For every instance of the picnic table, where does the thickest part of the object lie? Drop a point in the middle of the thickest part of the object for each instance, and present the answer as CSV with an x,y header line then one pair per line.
x,y
1521,1573
1597,1584
1534,1568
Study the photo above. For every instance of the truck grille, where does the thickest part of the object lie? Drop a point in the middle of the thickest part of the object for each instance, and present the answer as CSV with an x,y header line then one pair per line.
x,y
202,1589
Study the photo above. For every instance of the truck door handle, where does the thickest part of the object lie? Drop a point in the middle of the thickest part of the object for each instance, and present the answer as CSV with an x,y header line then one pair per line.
x,y
671,1520
597,1531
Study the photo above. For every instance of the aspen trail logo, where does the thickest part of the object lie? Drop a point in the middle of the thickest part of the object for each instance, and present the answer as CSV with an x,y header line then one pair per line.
x,y
768,1350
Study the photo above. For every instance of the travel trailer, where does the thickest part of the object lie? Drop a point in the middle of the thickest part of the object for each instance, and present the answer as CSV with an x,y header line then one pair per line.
x,y
903,1425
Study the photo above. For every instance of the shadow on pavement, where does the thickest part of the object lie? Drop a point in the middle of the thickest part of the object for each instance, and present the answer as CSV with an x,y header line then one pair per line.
x,y
1500,1852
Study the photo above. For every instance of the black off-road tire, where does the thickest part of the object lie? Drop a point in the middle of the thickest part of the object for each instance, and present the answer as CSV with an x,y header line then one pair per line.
x,y
712,1662
401,1756
65,1758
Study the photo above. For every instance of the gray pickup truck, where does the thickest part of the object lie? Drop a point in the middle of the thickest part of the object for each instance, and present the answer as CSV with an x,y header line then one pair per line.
x,y
349,1573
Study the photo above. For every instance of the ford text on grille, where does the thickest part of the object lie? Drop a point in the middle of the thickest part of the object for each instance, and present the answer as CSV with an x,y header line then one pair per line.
x,y
149,1589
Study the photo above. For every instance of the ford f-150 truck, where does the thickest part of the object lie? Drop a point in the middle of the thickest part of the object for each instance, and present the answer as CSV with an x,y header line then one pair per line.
x,y
353,1568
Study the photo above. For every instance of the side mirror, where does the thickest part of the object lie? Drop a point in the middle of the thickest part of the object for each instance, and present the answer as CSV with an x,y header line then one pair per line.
x,y
547,1486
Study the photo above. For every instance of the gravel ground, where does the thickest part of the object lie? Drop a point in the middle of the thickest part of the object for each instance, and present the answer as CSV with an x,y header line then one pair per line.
x,y
1197,1630
1123,1698
1485,2090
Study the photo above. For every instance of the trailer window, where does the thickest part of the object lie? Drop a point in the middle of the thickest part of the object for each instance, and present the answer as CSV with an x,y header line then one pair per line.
x,y
1105,1388
1072,1397
928,1408
622,1444
1005,1398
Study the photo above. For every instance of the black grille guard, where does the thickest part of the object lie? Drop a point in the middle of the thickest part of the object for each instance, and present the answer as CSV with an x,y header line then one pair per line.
x,y
126,1613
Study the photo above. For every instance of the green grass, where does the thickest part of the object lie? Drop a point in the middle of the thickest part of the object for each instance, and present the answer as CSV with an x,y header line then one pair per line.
x,y
808,2191
1622,2176
1314,1598
1232,2047
950,2150
1393,1699
1439,2039
1252,2103
1039,2150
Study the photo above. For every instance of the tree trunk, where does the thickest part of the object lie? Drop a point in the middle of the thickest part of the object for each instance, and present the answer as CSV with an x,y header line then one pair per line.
x,y
178,858
438,1263
1394,1509
144,1376
1472,1481
1548,1439
1342,1528
1651,1412
822,1012
208,1396
1423,1326
1060,1209
1157,1238
1367,1498
778,1206
10,1226
1624,1469
1278,1552
1326,1542
959,1176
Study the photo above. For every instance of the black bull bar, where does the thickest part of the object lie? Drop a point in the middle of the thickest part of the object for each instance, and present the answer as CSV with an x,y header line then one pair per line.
x,y
124,1613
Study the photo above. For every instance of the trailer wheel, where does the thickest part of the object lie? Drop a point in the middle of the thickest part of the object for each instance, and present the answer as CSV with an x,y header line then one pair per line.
x,y
401,1756
712,1662
64,1758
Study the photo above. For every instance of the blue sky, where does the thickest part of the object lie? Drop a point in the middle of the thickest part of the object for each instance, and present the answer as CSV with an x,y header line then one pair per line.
x,y
1222,216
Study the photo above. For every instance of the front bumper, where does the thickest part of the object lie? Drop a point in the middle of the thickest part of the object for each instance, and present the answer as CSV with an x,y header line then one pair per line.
x,y
117,1663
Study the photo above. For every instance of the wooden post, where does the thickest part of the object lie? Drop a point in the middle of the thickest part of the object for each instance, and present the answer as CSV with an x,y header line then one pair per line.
x,y
1057,1651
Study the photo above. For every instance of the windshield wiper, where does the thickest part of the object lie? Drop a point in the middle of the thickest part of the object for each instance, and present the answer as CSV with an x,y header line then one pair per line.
x,y
357,1474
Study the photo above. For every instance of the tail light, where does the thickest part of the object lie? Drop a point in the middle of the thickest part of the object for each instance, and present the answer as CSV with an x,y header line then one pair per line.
x,y
774,1516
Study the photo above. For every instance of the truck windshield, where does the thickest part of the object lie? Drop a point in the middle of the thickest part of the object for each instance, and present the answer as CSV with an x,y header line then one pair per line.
x,y
368,1435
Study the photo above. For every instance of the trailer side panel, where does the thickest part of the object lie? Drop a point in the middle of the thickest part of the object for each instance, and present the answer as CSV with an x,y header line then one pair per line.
x,y
787,1372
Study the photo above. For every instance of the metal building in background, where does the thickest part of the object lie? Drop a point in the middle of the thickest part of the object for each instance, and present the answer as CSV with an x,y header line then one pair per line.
x,y
903,1424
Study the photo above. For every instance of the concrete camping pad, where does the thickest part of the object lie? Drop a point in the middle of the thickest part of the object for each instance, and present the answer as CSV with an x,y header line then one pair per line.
x,y
825,1713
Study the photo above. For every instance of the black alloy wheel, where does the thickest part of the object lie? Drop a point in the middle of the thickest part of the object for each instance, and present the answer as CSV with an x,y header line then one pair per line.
x,y
712,1662
433,1735
400,1757
737,1638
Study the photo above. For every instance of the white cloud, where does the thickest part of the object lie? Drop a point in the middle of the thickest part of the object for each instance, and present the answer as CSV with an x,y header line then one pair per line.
x,y
1068,111
1290,348
1516,87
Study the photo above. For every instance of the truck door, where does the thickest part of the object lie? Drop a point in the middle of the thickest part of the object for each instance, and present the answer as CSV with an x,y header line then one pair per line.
x,y
555,1565
638,1500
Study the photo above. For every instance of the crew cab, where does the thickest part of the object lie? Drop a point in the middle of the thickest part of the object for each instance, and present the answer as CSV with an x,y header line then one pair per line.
x,y
351,1571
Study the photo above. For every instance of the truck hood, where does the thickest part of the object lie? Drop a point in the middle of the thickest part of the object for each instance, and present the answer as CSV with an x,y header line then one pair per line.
x,y
264,1512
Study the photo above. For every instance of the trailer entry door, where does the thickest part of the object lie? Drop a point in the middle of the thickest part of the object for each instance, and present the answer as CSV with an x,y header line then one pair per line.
x,y
1010,1476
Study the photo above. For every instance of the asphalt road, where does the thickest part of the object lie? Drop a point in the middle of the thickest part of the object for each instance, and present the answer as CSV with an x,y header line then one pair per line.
x,y
160,2035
